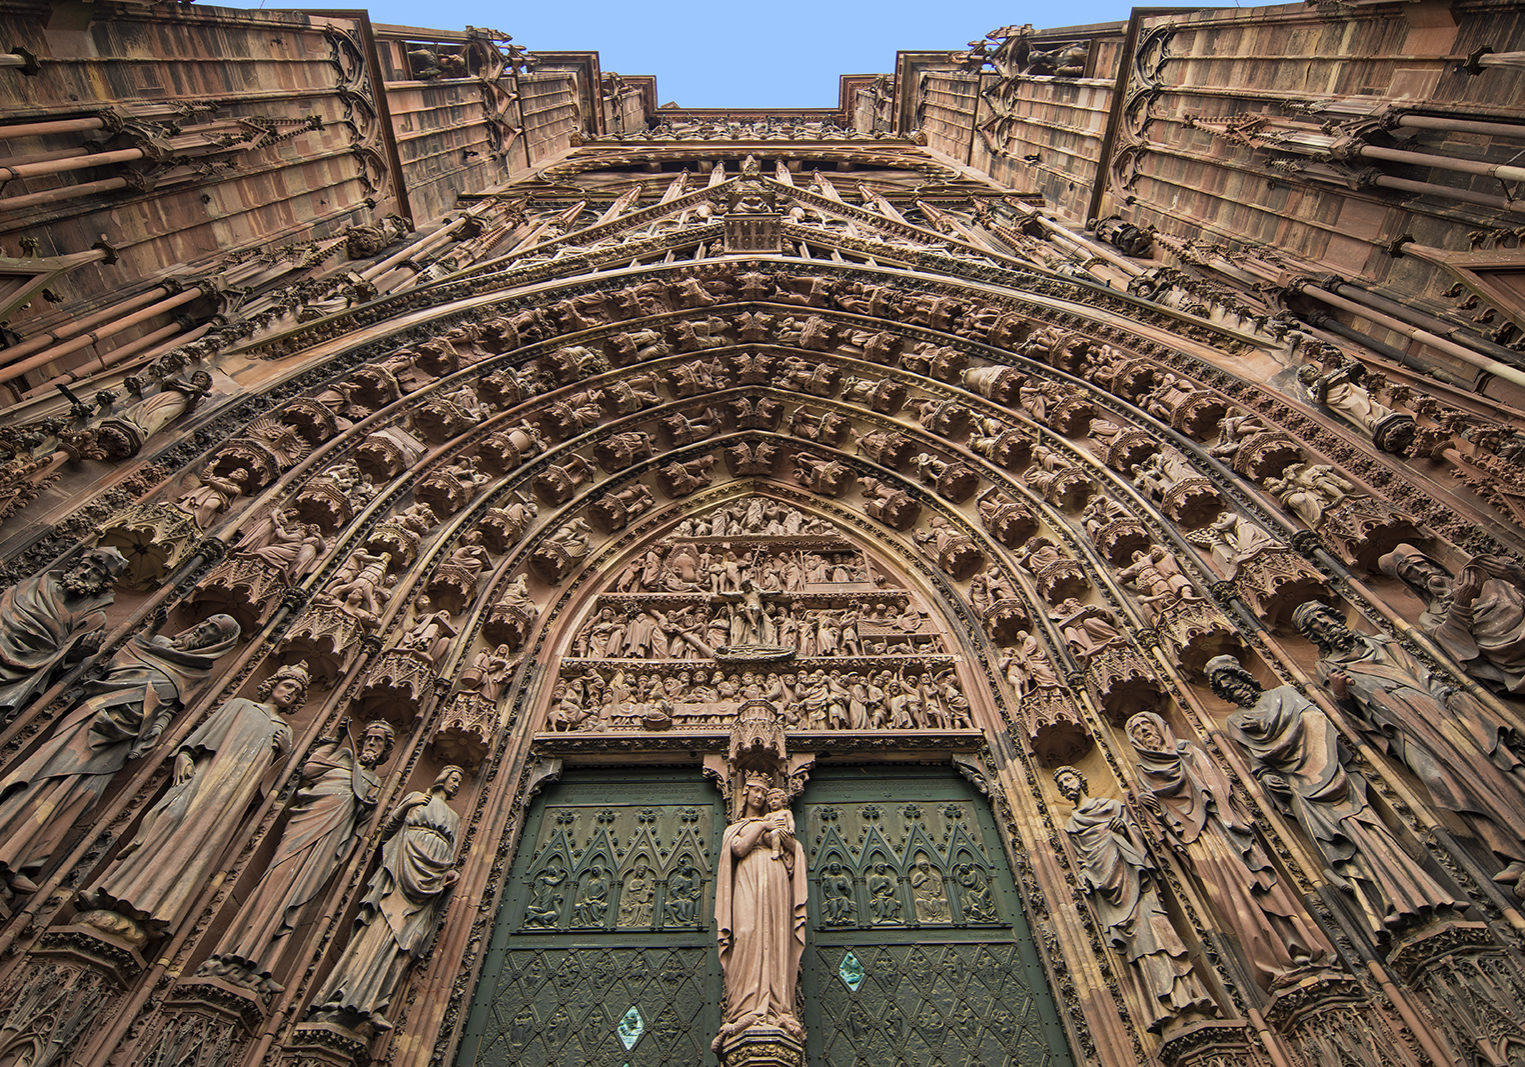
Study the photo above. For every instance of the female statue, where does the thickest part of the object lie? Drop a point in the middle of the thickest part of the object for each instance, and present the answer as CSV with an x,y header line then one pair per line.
x,y
760,915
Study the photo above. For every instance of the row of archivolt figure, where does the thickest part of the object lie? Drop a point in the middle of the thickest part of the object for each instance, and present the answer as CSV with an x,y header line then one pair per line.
x,y
593,701
130,716
1181,805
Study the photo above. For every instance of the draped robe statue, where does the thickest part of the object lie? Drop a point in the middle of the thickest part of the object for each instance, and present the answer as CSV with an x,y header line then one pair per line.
x,y
121,718
1122,882
1296,754
336,795
43,619
218,771
1477,617
1442,736
395,925
1190,799
760,887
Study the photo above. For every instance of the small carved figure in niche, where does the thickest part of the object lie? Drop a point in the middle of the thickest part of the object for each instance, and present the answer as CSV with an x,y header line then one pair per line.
x,y
1340,391
288,544
1233,539
1159,473
1479,617
838,906
1233,431
684,885
1310,489
51,619
470,556
1440,734
1122,882
543,909
1100,513
974,894
212,496
928,893
884,894
1027,667
121,718
335,795
397,915
488,672
760,917
1157,576
638,897
592,903
1194,808
431,632
1087,628
1297,756
362,586
218,771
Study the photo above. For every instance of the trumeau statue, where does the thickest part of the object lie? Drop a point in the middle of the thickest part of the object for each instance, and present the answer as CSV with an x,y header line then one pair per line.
x,y
760,889
1122,882
336,793
396,922
1443,736
218,770
1189,798
1298,758
1478,617
46,617
121,718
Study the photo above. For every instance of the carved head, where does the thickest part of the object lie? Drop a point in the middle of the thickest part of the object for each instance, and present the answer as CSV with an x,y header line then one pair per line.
x,y
1232,682
1324,626
1417,570
1147,732
376,743
1071,783
778,800
210,632
94,573
287,687
755,789
448,781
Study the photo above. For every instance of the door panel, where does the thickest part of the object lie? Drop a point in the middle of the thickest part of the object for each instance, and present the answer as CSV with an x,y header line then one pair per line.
x,y
603,952
919,952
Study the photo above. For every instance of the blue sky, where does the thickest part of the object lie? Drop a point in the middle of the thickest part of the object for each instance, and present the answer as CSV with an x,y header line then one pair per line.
x,y
726,53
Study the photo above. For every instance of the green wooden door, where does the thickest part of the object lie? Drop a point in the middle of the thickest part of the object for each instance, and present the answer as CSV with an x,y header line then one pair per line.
x,y
918,952
604,949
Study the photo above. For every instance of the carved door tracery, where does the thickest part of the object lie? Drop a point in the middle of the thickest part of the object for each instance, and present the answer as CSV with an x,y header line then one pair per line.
x,y
603,950
917,950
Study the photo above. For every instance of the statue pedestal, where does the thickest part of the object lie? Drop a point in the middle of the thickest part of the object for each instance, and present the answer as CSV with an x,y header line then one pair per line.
x,y
327,1044
763,1046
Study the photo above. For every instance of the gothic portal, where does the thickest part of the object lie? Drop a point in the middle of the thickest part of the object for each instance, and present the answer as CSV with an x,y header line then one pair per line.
x,y
1020,567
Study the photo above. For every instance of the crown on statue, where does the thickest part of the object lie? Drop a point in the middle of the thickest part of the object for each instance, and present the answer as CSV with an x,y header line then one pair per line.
x,y
296,672
758,778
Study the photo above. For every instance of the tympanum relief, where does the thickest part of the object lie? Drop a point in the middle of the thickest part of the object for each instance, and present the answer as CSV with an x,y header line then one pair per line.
x,y
757,601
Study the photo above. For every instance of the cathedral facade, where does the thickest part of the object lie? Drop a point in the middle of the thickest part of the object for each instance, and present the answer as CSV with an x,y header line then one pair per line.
x,y
1023,566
